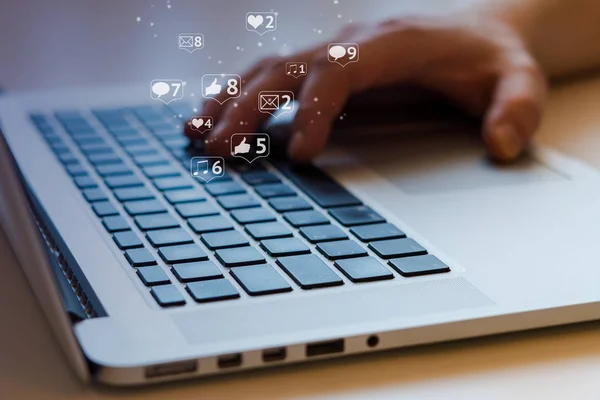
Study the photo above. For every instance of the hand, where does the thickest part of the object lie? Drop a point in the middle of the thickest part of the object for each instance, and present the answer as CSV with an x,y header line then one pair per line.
x,y
242,148
476,59
213,88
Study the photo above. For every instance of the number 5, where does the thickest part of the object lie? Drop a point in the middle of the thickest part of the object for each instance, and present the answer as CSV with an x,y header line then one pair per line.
x,y
260,142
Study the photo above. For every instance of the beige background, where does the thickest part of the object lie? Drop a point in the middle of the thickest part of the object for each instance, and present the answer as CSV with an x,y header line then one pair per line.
x,y
73,43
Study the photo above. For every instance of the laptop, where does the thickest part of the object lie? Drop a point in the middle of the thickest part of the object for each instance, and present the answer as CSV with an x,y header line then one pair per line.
x,y
148,274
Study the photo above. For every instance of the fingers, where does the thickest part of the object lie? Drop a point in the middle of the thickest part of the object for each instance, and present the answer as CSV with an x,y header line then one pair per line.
x,y
515,112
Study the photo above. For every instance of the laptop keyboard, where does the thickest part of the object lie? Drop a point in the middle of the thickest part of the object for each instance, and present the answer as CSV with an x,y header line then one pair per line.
x,y
262,228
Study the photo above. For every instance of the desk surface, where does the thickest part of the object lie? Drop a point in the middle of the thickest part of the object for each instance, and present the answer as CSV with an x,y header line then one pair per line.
x,y
555,363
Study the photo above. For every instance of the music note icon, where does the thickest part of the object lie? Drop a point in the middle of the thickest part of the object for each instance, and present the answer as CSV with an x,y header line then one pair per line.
x,y
295,69
207,168
197,171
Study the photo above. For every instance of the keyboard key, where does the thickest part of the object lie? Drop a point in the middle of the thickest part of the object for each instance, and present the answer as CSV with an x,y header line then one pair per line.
x,y
182,253
156,221
122,181
322,233
167,295
75,170
252,215
416,266
318,186
94,194
104,208
132,149
269,230
140,207
160,171
284,247
238,257
369,233
179,182
115,223
259,177
139,257
85,182
95,148
236,201
357,215
169,237
198,209
196,271
364,269
67,158
184,196
309,272
152,276
260,280
105,158
144,160
135,193
127,240
224,240
305,218
290,203
212,290
269,190
341,249
223,188
214,223
89,139
113,169
397,248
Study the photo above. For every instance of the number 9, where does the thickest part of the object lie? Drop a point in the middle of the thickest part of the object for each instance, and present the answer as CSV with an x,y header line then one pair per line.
x,y
352,52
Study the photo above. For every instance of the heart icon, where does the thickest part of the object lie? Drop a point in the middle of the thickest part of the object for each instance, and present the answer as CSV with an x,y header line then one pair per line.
x,y
197,122
255,20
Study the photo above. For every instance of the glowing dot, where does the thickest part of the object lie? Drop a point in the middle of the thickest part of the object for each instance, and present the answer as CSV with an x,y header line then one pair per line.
x,y
241,122
168,6
245,93
192,94
259,44
151,23
209,57
316,99
274,38
237,47
226,140
319,31
339,15
155,35
138,19
312,122
195,109
318,112
336,2
341,117
219,62
235,105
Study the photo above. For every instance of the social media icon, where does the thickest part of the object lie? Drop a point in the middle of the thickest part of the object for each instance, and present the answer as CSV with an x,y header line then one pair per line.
x,y
221,87
342,53
166,90
191,41
296,69
201,124
207,168
276,103
250,146
261,22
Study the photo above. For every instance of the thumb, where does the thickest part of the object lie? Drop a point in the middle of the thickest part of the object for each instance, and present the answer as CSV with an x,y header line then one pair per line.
x,y
515,112
214,82
243,140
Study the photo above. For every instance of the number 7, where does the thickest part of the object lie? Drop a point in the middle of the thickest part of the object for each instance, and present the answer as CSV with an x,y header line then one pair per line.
x,y
176,86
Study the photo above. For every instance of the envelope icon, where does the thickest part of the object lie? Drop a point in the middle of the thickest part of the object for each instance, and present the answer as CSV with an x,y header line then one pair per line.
x,y
186,41
269,102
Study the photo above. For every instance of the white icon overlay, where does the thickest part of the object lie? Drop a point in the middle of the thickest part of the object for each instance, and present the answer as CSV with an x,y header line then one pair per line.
x,y
261,22
201,123
190,41
276,102
296,69
221,87
207,168
166,90
342,53
250,146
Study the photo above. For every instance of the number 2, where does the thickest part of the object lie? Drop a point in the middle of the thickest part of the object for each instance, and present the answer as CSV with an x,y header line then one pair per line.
x,y
287,98
270,24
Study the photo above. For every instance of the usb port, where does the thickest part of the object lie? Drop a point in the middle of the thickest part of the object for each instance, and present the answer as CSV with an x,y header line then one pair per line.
x,y
276,354
177,368
322,348
230,360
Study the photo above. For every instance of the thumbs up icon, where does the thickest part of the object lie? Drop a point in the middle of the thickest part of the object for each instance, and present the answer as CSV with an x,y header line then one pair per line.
x,y
242,148
213,89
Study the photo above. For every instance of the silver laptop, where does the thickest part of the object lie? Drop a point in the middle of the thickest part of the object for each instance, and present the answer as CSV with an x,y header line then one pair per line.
x,y
149,274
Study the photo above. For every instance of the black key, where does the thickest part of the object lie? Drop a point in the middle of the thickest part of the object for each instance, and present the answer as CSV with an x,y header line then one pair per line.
x,y
223,188
104,208
127,240
397,248
179,182
269,190
182,253
169,237
233,202
238,257
369,233
95,148
105,158
139,257
210,224
135,193
132,140
259,280
252,215
318,186
85,182
416,266
122,181
140,207
75,170
224,240
94,194
284,247
113,169
144,160
80,140
341,249
212,290
309,271
156,221
196,271
357,215
167,295
67,158
198,209
269,230
160,171
322,233
290,203
259,177
59,148
364,269
152,276
305,218
184,196
115,223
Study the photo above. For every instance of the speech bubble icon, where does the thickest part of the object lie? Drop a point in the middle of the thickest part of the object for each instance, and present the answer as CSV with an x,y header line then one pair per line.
x,y
337,52
160,89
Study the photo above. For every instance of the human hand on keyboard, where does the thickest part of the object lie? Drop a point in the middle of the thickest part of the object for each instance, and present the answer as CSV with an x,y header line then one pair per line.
x,y
478,60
